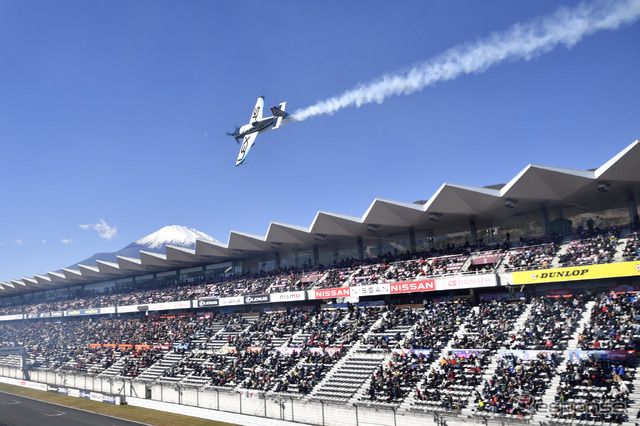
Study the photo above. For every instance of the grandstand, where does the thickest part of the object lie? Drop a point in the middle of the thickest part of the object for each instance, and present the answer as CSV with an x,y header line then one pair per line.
x,y
372,320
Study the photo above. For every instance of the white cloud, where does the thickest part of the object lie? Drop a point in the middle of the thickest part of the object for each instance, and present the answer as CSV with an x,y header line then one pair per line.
x,y
44,241
104,230
19,241
66,241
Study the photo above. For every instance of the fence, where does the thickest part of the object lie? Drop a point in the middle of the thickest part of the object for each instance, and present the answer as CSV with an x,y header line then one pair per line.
x,y
248,402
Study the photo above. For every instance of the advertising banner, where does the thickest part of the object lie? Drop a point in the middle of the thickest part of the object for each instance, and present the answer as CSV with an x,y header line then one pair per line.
x,y
610,355
525,355
128,308
228,350
486,259
416,352
112,399
206,302
56,314
11,317
332,351
184,304
466,281
290,296
231,301
256,298
82,312
466,353
494,296
289,351
412,286
95,396
16,350
370,290
586,272
559,292
330,293
164,347
622,288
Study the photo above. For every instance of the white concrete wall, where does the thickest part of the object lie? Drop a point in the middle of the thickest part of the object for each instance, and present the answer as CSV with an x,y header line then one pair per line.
x,y
224,404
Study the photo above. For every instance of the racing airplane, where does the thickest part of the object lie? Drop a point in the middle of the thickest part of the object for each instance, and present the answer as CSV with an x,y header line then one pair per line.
x,y
257,124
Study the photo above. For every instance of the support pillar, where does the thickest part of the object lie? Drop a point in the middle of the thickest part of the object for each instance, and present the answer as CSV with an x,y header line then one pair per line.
x,y
379,247
546,225
316,256
297,258
276,259
360,248
474,232
633,211
412,239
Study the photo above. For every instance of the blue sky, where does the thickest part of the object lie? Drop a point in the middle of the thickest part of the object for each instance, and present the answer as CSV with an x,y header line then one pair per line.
x,y
113,114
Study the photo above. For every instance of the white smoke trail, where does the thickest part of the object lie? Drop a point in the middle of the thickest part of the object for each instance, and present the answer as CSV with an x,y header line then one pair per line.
x,y
521,41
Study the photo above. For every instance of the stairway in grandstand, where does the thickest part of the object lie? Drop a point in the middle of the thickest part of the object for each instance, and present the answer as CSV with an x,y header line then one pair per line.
x,y
348,375
350,372
157,370
114,369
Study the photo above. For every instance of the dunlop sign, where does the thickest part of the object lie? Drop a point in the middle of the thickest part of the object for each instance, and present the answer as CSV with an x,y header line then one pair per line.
x,y
585,272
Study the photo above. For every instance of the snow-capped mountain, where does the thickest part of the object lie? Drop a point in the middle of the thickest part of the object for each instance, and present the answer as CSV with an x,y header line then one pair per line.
x,y
173,235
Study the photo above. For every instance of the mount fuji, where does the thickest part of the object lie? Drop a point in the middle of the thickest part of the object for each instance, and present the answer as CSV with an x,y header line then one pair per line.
x,y
173,235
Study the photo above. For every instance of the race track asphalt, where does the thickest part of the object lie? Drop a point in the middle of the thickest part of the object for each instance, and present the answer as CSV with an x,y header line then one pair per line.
x,y
19,411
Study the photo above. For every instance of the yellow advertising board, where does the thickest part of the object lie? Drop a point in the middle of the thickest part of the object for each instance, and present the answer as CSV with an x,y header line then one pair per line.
x,y
585,272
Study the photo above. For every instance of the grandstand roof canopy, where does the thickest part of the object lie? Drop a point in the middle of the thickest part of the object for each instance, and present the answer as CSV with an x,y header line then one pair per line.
x,y
452,208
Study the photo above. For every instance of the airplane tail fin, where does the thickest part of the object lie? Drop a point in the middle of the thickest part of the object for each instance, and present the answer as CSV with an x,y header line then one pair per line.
x,y
279,113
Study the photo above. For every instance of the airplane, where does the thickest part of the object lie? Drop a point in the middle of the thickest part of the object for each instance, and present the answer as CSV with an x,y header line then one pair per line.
x,y
257,124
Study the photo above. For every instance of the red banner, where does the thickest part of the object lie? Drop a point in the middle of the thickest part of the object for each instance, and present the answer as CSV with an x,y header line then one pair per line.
x,y
330,293
559,292
413,286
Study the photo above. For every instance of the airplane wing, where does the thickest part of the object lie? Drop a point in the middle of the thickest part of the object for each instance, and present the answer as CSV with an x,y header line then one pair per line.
x,y
247,143
257,110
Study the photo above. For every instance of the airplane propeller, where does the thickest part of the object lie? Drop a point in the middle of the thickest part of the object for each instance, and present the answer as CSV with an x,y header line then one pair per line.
x,y
235,132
